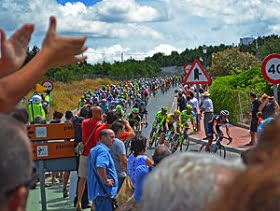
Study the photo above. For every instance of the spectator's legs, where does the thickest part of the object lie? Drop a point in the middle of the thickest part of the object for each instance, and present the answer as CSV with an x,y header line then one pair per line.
x,y
65,182
81,189
207,117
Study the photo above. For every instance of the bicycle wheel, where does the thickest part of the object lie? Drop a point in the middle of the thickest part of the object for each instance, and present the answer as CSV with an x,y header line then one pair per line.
x,y
202,148
222,151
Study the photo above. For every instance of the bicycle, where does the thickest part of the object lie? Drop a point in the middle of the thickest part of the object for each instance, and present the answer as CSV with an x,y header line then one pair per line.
x,y
217,148
138,129
155,137
183,139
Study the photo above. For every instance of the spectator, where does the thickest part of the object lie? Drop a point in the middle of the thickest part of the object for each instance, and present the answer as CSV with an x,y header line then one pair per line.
x,y
268,106
66,174
20,113
187,181
89,127
56,51
254,119
254,189
143,170
181,102
195,104
138,157
101,168
207,109
16,164
77,122
118,152
110,119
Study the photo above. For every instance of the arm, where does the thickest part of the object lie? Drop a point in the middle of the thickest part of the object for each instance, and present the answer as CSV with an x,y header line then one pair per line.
x,y
263,105
102,174
123,160
149,162
227,131
56,51
131,133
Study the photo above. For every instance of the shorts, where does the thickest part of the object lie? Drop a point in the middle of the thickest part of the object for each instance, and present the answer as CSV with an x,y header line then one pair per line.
x,y
254,125
210,133
82,170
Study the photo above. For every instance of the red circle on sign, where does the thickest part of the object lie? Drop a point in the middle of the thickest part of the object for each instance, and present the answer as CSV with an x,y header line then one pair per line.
x,y
187,68
49,84
265,61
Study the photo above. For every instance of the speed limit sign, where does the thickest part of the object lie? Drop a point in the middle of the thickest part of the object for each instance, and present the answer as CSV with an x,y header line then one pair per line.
x,y
271,68
48,84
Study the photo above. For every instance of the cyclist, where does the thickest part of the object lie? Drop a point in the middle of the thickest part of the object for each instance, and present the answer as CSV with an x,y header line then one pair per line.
x,y
171,119
187,115
119,112
158,121
214,128
143,112
134,118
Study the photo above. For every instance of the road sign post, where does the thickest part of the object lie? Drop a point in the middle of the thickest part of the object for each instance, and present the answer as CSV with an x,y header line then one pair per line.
x,y
271,71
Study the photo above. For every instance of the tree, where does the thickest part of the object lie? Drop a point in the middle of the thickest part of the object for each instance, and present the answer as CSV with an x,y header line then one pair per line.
x,y
231,61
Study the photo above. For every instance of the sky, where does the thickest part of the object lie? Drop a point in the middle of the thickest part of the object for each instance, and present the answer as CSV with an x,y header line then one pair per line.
x,y
140,28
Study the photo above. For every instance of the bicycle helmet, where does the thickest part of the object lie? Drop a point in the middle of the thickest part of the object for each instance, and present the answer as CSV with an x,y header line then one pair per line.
x,y
164,108
224,113
142,103
189,107
135,110
118,108
36,99
177,112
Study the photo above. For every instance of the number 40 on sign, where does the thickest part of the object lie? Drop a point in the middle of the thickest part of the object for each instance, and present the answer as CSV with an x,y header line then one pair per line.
x,y
271,68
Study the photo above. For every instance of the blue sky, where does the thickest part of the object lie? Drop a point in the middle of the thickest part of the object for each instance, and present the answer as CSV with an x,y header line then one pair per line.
x,y
140,28
86,2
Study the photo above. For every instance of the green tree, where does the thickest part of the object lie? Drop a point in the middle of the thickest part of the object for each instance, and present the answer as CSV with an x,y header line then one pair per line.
x,y
231,61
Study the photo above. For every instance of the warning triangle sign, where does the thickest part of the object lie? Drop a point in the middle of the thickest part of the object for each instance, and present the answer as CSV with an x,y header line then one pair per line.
x,y
197,74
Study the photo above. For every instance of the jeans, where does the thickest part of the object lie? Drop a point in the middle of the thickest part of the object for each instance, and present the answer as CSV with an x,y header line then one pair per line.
x,y
102,203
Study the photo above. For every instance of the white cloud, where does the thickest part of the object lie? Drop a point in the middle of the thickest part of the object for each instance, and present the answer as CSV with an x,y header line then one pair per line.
x,y
140,28
118,52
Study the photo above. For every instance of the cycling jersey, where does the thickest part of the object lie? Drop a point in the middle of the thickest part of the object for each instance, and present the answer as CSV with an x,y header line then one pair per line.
x,y
132,120
159,118
185,117
170,120
217,121
142,113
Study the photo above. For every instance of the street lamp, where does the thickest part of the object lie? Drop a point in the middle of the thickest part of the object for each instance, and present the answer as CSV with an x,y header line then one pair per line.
x,y
204,49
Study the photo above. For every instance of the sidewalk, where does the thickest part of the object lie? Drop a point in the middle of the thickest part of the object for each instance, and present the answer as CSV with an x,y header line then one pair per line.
x,y
240,137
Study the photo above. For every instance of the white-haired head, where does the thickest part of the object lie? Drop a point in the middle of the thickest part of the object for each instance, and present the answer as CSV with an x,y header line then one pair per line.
x,y
186,181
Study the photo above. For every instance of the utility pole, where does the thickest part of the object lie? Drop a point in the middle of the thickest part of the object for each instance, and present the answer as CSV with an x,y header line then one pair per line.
x,y
122,56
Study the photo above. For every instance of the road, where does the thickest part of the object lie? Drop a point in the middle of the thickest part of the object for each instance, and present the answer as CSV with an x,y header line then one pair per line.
x,y
54,192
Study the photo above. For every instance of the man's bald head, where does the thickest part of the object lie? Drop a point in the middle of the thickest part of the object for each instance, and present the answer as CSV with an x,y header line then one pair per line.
x,y
96,112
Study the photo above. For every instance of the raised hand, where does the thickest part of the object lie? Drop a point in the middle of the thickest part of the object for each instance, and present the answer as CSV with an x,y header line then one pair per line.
x,y
13,50
59,50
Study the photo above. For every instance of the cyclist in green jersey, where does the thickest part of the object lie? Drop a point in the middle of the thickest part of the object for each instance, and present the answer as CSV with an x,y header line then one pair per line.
x,y
187,115
159,119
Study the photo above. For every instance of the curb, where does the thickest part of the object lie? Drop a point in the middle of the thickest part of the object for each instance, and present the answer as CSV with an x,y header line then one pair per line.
x,y
228,148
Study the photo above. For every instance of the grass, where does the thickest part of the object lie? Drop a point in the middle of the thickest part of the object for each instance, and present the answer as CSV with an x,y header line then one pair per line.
x,y
65,96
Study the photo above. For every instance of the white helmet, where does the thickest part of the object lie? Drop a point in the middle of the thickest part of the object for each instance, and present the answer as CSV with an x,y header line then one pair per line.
x,y
36,99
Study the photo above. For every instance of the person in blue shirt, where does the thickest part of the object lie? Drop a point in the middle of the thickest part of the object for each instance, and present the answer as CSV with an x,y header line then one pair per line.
x,y
104,105
101,164
143,170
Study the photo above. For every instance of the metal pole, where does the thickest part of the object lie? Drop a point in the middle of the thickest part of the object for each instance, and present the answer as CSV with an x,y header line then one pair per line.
x,y
41,173
275,91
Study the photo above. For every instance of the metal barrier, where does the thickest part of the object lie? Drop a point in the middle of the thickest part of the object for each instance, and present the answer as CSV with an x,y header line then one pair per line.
x,y
51,152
